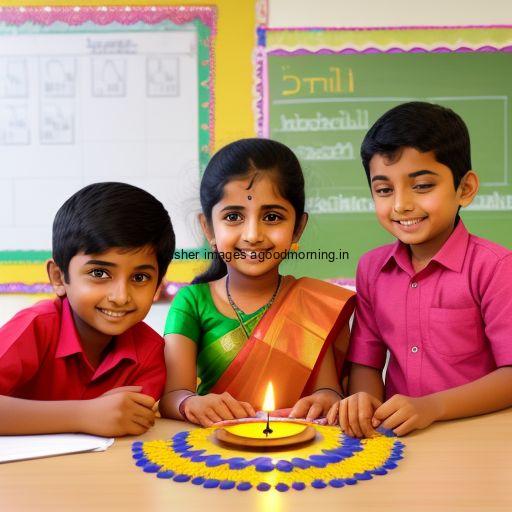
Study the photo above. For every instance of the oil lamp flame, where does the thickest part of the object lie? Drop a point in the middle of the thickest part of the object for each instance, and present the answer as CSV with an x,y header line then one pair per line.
x,y
269,402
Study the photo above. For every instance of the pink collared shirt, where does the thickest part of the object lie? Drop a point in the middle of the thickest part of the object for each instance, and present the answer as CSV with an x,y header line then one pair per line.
x,y
41,358
449,324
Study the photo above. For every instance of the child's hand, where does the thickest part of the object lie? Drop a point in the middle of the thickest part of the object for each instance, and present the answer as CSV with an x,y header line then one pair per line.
x,y
209,409
403,414
355,414
118,413
313,406
120,389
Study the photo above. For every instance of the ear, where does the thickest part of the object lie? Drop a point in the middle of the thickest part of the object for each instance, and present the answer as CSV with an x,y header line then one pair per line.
x,y
468,188
56,277
207,230
300,228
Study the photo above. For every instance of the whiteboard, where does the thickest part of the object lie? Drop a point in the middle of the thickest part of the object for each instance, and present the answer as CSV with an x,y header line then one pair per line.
x,y
88,103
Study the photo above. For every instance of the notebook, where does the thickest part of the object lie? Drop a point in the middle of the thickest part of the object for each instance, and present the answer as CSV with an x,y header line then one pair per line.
x,y
14,448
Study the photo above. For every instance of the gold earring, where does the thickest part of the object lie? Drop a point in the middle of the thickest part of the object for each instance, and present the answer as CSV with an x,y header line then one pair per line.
x,y
294,247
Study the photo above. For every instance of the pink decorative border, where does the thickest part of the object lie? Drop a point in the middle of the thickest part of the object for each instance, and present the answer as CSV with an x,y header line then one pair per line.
x,y
416,49
128,15
25,288
406,27
105,15
169,290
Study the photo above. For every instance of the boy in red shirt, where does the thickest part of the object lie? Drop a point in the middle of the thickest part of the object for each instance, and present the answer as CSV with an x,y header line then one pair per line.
x,y
85,362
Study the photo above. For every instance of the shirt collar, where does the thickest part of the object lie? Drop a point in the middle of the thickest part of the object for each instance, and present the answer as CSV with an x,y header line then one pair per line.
x,y
399,253
69,342
123,348
451,255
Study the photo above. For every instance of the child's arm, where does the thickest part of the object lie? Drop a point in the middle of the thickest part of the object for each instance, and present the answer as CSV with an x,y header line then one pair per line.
x,y
355,412
367,353
114,414
367,380
490,393
180,400
327,392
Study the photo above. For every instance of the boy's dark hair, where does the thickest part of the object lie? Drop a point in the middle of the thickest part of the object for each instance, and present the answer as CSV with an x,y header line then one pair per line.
x,y
102,216
424,127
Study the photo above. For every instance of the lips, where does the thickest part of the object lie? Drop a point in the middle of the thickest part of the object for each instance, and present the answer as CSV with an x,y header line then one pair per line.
x,y
249,252
113,313
409,222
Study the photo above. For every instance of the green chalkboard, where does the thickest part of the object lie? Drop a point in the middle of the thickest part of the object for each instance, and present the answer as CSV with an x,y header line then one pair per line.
x,y
322,106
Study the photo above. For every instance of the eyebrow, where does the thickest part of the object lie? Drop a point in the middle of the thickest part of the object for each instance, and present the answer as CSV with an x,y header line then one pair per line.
x,y
264,207
102,263
421,173
415,174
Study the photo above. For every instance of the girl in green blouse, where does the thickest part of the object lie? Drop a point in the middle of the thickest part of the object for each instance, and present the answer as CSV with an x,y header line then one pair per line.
x,y
228,331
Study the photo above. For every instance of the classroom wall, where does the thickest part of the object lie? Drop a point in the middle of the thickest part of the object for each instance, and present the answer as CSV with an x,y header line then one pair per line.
x,y
234,102
383,13
233,66
234,43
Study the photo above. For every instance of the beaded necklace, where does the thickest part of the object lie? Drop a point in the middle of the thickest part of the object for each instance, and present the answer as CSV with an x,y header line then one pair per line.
x,y
238,311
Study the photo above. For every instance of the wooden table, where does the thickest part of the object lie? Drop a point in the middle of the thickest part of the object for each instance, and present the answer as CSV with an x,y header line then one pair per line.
x,y
458,465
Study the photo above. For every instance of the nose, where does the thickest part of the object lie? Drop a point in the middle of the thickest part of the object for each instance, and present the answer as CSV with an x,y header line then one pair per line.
x,y
403,201
119,293
252,231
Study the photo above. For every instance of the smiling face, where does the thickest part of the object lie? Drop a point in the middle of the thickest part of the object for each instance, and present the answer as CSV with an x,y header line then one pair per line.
x,y
108,292
415,198
251,224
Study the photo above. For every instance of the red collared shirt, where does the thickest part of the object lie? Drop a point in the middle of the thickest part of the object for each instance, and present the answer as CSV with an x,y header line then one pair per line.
x,y
41,358
447,325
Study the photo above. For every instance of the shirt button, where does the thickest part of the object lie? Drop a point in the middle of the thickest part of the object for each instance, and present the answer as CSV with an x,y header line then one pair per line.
x,y
414,350
414,285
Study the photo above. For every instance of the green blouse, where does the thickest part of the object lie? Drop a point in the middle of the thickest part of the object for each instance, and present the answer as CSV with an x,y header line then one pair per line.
x,y
219,339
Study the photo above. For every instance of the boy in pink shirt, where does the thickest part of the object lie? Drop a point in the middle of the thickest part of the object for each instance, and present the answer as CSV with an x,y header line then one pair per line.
x,y
439,299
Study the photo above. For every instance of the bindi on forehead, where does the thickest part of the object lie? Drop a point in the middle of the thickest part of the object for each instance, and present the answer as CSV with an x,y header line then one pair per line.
x,y
250,185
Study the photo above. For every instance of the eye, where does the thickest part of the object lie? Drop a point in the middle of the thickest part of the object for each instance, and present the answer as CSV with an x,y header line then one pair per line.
x,y
233,217
272,217
423,186
141,278
383,191
99,273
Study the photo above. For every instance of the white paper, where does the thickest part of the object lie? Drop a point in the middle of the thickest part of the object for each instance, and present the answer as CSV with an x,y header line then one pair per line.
x,y
14,448
74,113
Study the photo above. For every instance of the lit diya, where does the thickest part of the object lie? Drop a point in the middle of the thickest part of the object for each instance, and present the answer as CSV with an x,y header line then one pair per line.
x,y
274,433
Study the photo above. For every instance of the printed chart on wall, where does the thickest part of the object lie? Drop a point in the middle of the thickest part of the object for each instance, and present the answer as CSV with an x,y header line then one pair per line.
x,y
320,91
101,94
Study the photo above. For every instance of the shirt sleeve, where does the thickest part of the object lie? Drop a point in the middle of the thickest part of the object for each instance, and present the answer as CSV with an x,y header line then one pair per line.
x,y
366,345
151,374
183,317
496,308
19,354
